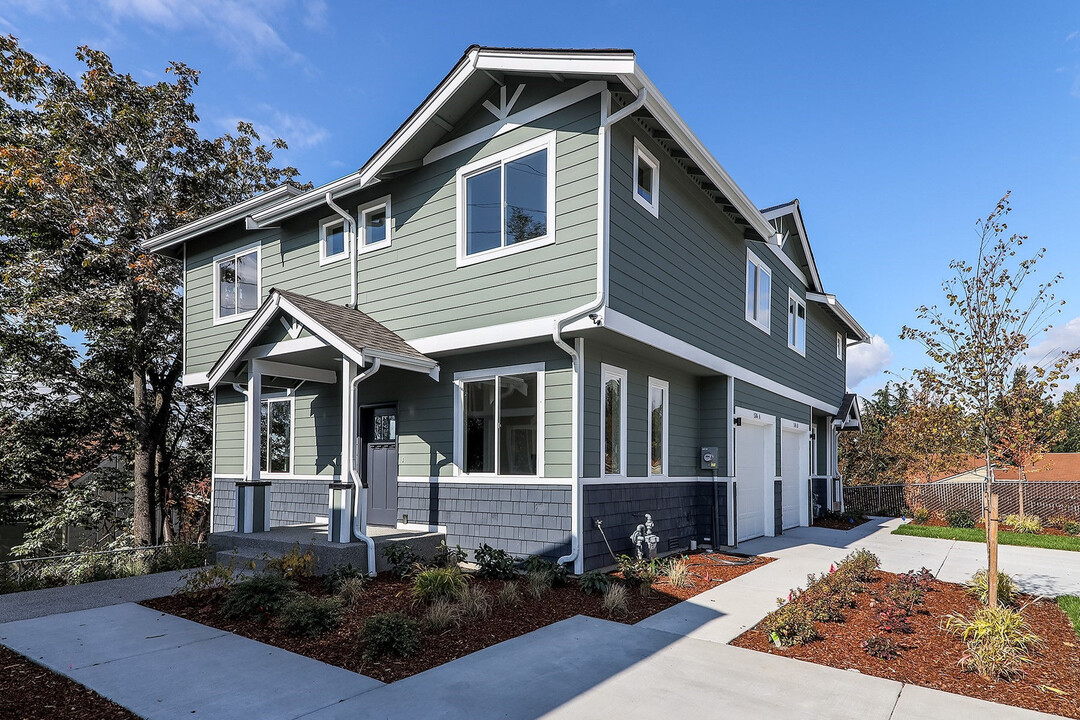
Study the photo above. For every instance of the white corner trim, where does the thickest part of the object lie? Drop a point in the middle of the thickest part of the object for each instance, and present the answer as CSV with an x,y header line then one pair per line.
x,y
632,328
362,244
640,154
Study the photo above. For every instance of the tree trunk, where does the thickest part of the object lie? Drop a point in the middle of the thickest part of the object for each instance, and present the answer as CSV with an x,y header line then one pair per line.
x,y
1020,489
145,490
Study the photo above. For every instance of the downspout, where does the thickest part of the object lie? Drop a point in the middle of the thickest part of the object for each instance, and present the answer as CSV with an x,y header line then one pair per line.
x,y
360,507
353,239
603,141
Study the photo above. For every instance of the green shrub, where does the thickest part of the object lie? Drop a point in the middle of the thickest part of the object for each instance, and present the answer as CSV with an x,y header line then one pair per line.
x,y
401,558
594,582
338,574
1072,527
258,596
959,518
559,573
351,591
293,564
211,577
979,586
920,515
494,563
389,632
881,647
638,572
539,582
616,600
790,624
449,557
509,596
678,574
998,641
307,616
442,614
177,556
443,583
1027,524
474,602
861,565
906,592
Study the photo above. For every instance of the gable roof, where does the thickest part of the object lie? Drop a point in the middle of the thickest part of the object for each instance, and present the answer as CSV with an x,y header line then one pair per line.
x,y
776,215
355,334
849,417
1052,467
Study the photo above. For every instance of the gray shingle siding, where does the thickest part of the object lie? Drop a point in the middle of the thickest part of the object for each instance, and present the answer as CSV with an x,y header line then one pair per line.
x,y
522,519
292,502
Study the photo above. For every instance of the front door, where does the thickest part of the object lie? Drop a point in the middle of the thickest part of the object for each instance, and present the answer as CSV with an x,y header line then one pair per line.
x,y
381,464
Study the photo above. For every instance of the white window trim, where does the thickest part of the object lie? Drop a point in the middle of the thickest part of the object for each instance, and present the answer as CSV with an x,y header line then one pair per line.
x,y
763,268
460,379
640,153
546,141
291,399
799,302
346,231
362,245
257,247
839,346
663,385
610,372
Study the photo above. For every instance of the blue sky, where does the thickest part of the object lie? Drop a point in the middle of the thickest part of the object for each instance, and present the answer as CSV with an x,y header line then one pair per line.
x,y
896,125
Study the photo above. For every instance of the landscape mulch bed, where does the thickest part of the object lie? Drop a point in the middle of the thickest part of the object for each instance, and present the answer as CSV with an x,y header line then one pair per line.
x,y
930,657
343,647
29,691
839,523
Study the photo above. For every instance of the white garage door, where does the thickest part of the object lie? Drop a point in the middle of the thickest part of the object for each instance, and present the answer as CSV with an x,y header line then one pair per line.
x,y
794,463
750,479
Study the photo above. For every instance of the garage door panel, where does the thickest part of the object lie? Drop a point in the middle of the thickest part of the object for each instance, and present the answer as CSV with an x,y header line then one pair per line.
x,y
750,476
792,447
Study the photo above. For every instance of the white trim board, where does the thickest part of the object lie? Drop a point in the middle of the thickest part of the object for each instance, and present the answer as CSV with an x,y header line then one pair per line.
x,y
637,330
483,480
652,479
495,335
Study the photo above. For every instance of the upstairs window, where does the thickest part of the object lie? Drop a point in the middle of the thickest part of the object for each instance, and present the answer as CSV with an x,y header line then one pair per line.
x,y
506,203
758,291
333,239
236,284
614,410
840,346
796,318
276,435
646,179
501,423
375,225
658,427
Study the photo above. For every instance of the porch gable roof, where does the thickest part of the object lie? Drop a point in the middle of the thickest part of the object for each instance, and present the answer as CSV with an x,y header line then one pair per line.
x,y
354,333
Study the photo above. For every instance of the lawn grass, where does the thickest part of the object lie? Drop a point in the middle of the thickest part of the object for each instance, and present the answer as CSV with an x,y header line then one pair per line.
x,y
1071,605
1050,542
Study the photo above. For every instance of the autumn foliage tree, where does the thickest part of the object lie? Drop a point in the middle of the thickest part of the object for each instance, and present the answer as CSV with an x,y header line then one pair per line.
x,y
89,169
930,436
1027,426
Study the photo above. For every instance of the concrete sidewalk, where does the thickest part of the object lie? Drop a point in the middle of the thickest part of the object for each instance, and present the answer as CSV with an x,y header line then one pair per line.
x,y
50,601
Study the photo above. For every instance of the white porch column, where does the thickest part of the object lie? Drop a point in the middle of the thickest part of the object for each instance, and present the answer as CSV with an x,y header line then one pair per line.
x,y
253,459
348,419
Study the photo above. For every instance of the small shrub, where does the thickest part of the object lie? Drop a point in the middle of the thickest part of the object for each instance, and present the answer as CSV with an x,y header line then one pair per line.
x,y
389,632
638,572
998,641
351,591
559,573
905,593
401,558
212,577
509,595
474,602
1072,527
441,615
293,564
921,515
861,565
1057,521
894,619
979,586
443,583
539,582
594,582
616,600
334,579
449,557
881,647
259,595
959,518
1026,524
923,577
308,616
177,556
494,563
790,624
678,574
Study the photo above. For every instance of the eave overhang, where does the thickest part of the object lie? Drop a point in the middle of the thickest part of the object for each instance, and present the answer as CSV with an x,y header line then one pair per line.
x,y
838,311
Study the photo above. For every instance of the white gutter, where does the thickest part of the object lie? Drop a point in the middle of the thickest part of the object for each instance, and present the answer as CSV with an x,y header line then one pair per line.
x,y
597,304
352,237
360,506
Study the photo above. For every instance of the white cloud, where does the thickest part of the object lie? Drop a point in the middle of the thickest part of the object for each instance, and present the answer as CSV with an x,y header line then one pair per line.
x,y
299,132
867,360
1058,339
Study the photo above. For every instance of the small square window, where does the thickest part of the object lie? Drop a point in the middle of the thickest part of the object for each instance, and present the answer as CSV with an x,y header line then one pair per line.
x,y
375,225
646,179
333,239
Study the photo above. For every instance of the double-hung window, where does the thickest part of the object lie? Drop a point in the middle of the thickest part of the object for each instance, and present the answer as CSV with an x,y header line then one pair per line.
x,y
796,323
646,179
500,422
506,202
614,422
236,284
333,239
276,435
658,427
758,291
375,225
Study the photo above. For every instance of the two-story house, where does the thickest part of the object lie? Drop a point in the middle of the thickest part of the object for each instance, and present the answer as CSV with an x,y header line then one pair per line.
x,y
541,304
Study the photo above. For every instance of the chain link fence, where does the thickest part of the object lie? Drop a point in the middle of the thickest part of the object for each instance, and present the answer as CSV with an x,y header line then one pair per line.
x,y
1047,499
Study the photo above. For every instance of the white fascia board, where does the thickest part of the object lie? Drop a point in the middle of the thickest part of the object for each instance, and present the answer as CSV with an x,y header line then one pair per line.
x,y
239,346
219,219
789,264
792,208
557,61
847,317
662,110
307,201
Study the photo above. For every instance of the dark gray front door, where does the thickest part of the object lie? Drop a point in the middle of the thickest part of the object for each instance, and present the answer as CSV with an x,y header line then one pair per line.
x,y
381,457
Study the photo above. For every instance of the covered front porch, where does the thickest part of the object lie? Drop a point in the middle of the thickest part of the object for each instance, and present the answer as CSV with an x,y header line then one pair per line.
x,y
296,346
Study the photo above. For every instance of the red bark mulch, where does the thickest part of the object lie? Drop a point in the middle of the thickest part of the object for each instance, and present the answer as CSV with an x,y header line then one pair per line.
x,y
29,691
343,647
930,656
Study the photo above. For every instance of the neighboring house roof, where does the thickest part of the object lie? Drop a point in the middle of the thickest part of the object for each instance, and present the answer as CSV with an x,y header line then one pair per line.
x,y
1053,467
352,332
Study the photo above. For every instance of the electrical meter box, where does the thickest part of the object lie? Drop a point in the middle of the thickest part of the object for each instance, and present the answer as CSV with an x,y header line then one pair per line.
x,y
709,458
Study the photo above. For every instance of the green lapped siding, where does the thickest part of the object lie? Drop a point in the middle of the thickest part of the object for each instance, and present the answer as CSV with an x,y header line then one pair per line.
x,y
685,274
